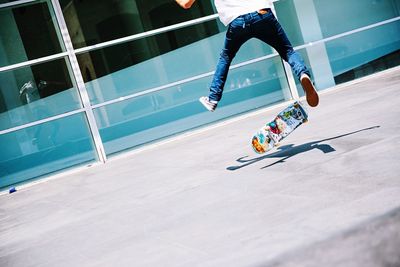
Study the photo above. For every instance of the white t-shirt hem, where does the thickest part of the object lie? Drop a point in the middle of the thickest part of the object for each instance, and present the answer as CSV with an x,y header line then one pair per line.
x,y
228,10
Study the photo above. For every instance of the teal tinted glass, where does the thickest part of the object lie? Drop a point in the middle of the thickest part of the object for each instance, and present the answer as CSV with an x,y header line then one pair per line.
x,y
101,62
287,17
354,13
354,56
311,20
159,114
130,68
36,92
365,53
92,22
27,32
45,148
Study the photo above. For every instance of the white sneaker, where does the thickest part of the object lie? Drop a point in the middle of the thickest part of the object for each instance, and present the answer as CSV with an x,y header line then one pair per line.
x,y
311,94
208,104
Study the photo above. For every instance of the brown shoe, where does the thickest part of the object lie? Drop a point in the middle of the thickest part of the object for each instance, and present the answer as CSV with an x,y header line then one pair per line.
x,y
311,94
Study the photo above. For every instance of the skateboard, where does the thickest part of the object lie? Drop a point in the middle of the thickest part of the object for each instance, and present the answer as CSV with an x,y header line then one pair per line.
x,y
284,123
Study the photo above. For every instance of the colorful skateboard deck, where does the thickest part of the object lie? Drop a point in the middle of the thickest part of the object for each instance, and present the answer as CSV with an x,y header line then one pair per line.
x,y
284,123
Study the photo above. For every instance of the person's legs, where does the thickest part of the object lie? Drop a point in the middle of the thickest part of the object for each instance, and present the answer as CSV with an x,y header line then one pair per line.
x,y
269,30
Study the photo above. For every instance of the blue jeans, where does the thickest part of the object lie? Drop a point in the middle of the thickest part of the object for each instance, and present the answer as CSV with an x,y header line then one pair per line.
x,y
254,25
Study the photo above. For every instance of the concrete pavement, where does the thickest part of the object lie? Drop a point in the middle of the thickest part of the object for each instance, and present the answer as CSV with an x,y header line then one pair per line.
x,y
208,200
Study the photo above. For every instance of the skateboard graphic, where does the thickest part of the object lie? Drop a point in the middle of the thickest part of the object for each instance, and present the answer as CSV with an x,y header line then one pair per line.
x,y
284,123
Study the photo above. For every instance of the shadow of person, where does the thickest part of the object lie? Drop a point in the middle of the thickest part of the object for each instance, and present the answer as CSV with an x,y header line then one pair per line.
x,y
287,151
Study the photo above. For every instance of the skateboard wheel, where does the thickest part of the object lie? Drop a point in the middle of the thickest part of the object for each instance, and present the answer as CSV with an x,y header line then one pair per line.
x,y
305,120
257,146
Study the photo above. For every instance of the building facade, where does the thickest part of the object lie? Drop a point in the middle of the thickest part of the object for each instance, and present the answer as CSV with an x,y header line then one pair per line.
x,y
81,80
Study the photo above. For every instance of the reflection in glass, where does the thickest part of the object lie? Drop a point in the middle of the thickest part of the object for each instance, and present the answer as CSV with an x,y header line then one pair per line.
x,y
128,68
355,56
365,53
111,59
7,1
131,67
45,148
27,32
311,20
36,92
92,22
154,116
354,13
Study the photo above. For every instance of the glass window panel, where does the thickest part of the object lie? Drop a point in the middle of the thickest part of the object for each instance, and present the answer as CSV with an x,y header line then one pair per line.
x,y
36,92
354,56
154,116
133,67
287,17
7,1
354,13
311,20
92,22
365,53
45,148
27,32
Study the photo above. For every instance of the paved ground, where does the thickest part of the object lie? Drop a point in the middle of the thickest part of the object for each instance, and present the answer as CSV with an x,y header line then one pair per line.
x,y
329,196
